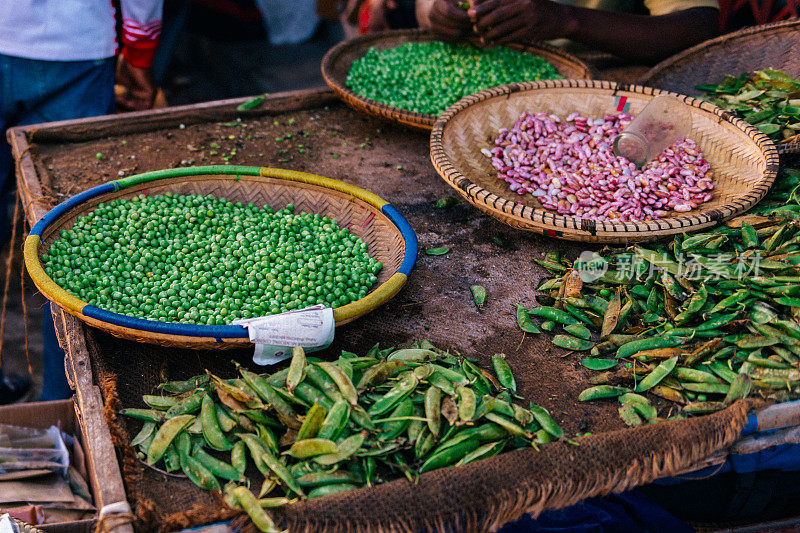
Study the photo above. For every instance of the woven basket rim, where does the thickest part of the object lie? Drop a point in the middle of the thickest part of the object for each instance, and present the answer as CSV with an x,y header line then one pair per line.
x,y
411,118
377,296
561,223
722,40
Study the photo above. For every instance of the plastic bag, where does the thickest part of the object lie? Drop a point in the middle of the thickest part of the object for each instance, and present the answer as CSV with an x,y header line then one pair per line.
x,y
32,449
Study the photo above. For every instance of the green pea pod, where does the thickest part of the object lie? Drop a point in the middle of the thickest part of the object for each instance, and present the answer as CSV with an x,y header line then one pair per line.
x,y
640,404
347,448
265,391
164,436
696,241
478,295
257,451
320,479
162,403
251,104
278,379
551,313
404,386
297,368
412,355
211,430
377,374
524,321
579,331
180,387
697,301
150,415
424,443
509,425
696,376
438,380
707,388
543,437
305,448
658,373
467,404
433,409
581,315
215,466
546,421
483,433
188,405
252,507
335,420
226,423
272,503
328,490
629,415
322,381
238,459
267,437
756,341
282,472
568,342
453,376
396,427
631,348
312,395
197,473
312,423
172,460
721,369
740,388
702,408
343,382
147,430
599,364
361,418
483,452
503,373
601,391
449,455
672,286
788,301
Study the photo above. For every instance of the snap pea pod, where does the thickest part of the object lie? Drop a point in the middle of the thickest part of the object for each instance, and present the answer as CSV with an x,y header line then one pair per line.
x,y
150,415
404,386
198,473
503,372
319,479
180,387
211,430
252,507
164,436
215,466
658,374
335,420
305,448
297,368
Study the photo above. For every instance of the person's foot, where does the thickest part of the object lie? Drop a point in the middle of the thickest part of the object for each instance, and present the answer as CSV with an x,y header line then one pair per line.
x,y
13,388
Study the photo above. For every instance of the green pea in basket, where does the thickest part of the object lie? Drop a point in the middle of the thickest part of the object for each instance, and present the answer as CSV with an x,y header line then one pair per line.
x,y
388,237
338,61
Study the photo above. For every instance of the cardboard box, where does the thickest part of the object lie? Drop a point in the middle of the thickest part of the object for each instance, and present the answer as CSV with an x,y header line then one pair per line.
x,y
60,413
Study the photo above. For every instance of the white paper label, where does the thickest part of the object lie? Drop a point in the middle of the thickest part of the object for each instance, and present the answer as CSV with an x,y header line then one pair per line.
x,y
276,335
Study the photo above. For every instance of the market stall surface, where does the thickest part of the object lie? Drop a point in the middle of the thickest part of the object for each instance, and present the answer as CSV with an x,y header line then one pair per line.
x,y
312,132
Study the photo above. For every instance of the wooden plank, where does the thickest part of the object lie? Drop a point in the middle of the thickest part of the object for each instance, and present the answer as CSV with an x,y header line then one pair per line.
x,y
28,183
102,457
96,127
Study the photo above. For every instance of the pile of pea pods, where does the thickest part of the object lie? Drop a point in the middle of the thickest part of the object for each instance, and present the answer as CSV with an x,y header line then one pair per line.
x,y
320,427
701,320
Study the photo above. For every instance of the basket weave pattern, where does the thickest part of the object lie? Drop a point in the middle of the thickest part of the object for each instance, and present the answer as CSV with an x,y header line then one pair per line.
x,y
384,241
743,160
775,46
337,63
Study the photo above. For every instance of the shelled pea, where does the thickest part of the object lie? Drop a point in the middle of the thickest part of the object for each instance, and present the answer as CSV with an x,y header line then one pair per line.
x,y
318,427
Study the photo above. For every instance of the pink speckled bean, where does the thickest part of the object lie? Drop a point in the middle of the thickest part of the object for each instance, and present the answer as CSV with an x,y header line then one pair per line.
x,y
570,166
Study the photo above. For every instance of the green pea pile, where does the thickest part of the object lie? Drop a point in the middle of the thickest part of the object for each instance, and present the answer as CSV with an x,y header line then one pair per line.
x,y
430,77
205,260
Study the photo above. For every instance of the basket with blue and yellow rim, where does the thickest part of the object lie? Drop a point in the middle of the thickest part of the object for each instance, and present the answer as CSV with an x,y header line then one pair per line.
x,y
386,232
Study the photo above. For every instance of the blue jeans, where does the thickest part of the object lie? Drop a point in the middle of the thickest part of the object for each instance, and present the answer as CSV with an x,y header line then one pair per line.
x,y
34,91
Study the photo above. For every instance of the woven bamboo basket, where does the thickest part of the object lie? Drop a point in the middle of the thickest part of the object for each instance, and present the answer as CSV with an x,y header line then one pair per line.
x,y
387,234
773,46
743,160
337,63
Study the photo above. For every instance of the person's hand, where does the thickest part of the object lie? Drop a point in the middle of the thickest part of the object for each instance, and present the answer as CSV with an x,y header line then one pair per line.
x,y
509,21
138,87
377,14
448,21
